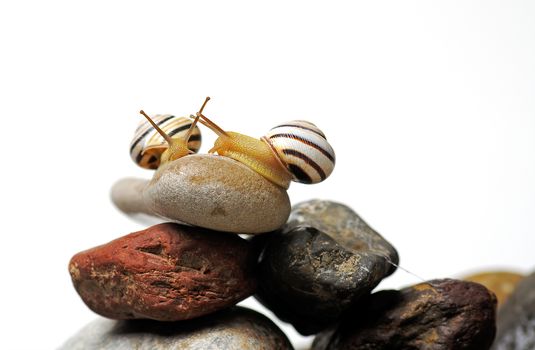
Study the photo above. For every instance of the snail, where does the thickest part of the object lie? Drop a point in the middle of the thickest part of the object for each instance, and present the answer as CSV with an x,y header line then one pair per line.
x,y
293,151
164,138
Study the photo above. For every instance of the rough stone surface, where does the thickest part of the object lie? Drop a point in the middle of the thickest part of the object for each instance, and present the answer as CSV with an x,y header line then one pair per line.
x,y
501,283
208,191
323,260
236,328
516,318
167,272
439,315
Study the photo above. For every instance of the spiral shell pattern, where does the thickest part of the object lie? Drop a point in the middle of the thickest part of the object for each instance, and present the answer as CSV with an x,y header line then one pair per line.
x,y
148,145
303,149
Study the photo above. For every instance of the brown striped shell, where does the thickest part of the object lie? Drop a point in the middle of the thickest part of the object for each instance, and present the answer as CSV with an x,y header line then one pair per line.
x,y
148,145
303,149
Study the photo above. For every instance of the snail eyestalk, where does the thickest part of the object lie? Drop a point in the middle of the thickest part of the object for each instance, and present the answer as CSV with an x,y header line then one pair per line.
x,y
210,124
160,131
196,119
204,104
177,146
190,130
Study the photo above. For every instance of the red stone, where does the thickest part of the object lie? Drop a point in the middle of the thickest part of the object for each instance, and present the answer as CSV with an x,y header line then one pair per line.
x,y
167,272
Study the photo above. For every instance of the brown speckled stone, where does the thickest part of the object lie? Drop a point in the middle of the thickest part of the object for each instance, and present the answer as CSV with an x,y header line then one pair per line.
x,y
209,191
439,315
167,272
235,328
321,263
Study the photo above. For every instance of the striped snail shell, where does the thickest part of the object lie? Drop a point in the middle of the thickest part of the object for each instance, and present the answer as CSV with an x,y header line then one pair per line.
x,y
148,145
303,149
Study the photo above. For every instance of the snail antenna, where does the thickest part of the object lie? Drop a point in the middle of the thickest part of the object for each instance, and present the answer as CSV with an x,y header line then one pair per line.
x,y
207,122
160,131
195,119
204,104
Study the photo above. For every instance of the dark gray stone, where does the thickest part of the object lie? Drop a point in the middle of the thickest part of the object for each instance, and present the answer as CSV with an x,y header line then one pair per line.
x,y
516,318
438,315
235,328
320,264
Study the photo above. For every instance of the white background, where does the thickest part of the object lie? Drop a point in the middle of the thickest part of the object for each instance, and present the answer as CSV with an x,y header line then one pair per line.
x,y
430,107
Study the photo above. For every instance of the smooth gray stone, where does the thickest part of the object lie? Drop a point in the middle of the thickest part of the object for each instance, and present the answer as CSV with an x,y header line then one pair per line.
x,y
236,328
127,195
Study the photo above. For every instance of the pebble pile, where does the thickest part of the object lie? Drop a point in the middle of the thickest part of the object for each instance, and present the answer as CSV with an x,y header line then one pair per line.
x,y
314,265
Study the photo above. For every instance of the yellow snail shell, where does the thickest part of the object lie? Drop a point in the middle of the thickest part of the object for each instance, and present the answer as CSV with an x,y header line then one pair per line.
x,y
148,145
303,149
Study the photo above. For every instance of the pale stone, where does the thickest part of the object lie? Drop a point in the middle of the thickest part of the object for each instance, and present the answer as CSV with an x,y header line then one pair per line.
x,y
207,191
127,195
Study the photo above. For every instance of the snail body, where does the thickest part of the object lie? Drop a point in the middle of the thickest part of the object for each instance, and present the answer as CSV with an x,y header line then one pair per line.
x,y
293,151
254,153
149,148
164,138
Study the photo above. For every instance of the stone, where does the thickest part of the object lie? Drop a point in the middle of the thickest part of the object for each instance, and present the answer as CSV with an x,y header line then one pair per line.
x,y
438,315
516,318
127,195
321,263
208,191
235,328
167,272
501,283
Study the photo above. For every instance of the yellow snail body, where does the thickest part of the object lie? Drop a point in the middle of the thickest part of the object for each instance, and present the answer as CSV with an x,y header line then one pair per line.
x,y
254,153
149,147
164,138
293,151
